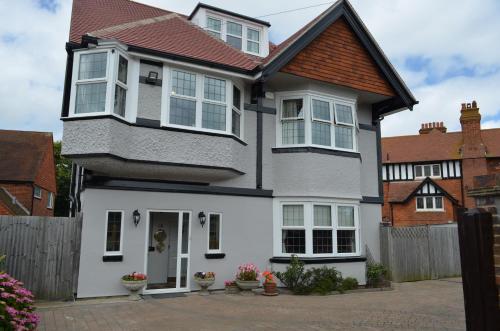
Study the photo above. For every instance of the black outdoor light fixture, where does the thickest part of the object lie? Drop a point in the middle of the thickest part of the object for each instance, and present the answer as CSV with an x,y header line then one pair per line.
x,y
137,217
202,217
152,77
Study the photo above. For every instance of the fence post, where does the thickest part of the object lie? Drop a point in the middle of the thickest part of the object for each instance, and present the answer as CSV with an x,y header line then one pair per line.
x,y
475,230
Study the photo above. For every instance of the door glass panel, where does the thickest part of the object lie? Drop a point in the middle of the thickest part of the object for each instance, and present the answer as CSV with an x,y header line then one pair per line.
x,y
184,272
185,233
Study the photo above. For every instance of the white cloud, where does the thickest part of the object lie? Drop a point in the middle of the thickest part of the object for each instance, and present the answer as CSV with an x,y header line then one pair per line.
x,y
449,35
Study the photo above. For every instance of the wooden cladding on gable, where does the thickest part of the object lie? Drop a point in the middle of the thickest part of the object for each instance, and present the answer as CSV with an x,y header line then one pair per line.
x,y
337,56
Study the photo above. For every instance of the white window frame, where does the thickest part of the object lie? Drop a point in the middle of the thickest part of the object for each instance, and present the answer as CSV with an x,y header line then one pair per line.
x,y
113,253
212,30
200,98
111,79
309,226
219,250
433,209
236,36
307,96
50,200
294,119
258,42
431,165
35,195
239,111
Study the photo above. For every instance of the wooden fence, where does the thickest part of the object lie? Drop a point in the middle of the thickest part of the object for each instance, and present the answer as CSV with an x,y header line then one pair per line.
x,y
42,252
420,252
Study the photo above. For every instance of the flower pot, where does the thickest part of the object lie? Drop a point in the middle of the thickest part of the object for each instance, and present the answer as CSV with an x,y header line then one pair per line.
x,y
270,289
232,289
134,286
204,284
247,285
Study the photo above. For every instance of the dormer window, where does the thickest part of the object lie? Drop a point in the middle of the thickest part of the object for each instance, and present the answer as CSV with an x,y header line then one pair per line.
x,y
234,34
214,27
253,41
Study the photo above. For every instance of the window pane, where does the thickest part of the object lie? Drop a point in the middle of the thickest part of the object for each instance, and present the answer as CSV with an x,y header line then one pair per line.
x,y
183,83
292,108
321,133
292,132
215,89
113,232
439,202
321,110
429,203
93,66
234,28
294,241
236,97
343,137
234,41
184,271
214,24
322,216
346,216
215,34
293,215
253,35
213,116
253,46
90,98
344,113
420,203
235,129
346,241
120,100
418,171
185,233
436,170
182,111
122,69
322,241
214,234
37,192
427,170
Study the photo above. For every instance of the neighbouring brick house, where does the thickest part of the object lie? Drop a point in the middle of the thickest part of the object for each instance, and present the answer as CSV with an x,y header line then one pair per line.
x,y
27,173
427,176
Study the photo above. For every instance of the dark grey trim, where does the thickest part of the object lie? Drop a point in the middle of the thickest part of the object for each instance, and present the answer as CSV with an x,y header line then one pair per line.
x,y
319,260
260,137
67,79
173,164
367,127
144,80
112,258
158,186
316,150
262,109
153,124
213,256
379,160
374,200
227,12
152,63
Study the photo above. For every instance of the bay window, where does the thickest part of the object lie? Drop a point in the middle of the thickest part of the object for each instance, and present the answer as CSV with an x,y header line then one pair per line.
x,y
236,112
315,120
318,229
183,99
214,104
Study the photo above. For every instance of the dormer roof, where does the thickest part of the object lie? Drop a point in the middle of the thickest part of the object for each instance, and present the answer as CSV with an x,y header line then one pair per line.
x,y
227,12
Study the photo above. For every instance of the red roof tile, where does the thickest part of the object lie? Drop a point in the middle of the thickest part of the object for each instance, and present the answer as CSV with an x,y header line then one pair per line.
x,y
400,191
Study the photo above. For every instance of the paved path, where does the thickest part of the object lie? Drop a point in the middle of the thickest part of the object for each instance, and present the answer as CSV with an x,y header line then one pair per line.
x,y
427,305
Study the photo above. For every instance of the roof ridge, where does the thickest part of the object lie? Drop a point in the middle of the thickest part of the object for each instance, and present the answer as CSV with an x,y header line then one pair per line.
x,y
133,24
149,6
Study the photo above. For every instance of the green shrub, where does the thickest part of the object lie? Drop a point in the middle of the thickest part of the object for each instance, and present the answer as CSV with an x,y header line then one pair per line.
x,y
349,283
294,278
2,264
376,274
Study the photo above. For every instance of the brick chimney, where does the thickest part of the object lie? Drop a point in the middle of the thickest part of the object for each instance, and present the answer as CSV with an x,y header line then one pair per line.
x,y
428,127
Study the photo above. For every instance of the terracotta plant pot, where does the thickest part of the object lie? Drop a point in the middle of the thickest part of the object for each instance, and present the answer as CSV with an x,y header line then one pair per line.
x,y
270,289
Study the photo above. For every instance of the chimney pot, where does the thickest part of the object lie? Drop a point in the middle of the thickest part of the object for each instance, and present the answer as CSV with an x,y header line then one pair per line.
x,y
422,126
474,104
468,105
463,105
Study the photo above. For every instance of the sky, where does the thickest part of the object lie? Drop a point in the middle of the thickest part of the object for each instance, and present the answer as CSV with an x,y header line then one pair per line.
x,y
447,51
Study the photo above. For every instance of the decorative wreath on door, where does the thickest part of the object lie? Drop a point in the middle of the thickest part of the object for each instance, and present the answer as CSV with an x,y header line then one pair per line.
x,y
160,235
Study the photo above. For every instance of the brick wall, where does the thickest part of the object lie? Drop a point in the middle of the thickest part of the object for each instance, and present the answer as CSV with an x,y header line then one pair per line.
x,y
22,191
496,250
4,210
337,56
406,214
471,168
46,175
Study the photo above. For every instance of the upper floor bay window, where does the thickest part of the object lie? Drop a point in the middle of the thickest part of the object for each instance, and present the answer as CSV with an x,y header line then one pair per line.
x,y
318,229
238,35
317,121
100,83
427,170
204,102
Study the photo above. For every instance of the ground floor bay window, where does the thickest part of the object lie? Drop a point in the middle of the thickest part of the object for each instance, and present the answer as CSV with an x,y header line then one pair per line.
x,y
318,229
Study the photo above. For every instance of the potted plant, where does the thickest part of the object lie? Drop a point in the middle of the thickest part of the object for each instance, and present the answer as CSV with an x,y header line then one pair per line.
x,y
269,283
204,280
231,287
247,277
134,282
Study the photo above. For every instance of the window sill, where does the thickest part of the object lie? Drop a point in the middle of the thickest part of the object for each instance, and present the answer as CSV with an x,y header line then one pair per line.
x,y
112,258
213,256
317,150
431,211
319,260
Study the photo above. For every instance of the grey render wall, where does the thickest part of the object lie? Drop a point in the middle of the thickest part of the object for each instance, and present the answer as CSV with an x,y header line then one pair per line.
x,y
149,98
370,219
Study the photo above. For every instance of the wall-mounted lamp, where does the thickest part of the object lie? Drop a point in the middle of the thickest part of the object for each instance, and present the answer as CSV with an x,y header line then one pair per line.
x,y
137,217
202,217
152,77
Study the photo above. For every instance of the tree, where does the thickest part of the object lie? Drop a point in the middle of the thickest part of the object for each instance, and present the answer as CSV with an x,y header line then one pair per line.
x,y
63,178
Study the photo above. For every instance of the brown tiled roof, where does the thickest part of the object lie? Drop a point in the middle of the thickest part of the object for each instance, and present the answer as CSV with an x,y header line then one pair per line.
x,y
400,191
434,146
21,153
